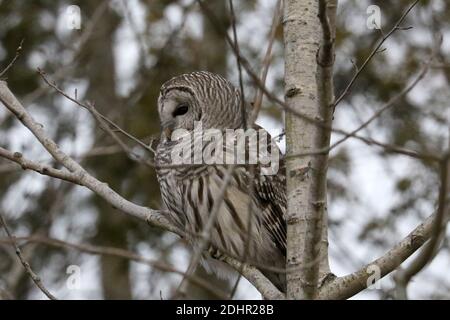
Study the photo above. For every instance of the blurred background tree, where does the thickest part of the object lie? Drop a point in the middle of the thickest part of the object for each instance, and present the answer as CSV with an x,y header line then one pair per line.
x,y
119,58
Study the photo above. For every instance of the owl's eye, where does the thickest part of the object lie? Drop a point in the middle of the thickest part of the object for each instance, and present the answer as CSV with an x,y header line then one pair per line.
x,y
180,110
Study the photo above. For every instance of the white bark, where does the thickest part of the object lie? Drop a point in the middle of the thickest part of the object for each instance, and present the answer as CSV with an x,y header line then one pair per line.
x,y
347,286
309,91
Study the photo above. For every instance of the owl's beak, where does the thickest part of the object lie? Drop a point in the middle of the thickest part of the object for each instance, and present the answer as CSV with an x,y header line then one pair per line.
x,y
167,128
168,132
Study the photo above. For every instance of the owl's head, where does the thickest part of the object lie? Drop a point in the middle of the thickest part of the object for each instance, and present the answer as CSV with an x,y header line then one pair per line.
x,y
199,96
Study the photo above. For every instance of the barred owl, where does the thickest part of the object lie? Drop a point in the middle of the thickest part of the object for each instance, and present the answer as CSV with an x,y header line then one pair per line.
x,y
189,192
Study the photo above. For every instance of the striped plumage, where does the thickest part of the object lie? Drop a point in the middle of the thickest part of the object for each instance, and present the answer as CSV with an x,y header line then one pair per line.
x,y
189,192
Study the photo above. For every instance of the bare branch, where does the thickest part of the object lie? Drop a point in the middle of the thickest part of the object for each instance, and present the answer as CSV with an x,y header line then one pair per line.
x,y
325,93
238,61
266,61
264,286
403,277
349,285
377,114
374,51
36,279
118,252
253,116
97,115
18,50
153,217
244,118
79,175
43,169
64,70
272,97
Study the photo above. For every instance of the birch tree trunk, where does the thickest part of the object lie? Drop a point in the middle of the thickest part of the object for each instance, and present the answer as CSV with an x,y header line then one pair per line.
x,y
309,55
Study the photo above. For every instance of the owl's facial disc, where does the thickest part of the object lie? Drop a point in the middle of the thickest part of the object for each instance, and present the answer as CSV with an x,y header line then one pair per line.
x,y
176,112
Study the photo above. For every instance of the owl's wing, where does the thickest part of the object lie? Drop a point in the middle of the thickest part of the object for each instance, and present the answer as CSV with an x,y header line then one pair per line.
x,y
270,196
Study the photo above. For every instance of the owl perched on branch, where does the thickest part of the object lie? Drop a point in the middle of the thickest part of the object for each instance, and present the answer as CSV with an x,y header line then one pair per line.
x,y
250,224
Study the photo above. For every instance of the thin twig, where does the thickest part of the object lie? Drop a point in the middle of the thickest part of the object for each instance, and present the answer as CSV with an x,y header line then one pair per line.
x,y
117,252
253,116
238,61
377,114
244,119
403,277
373,53
156,218
346,286
102,120
145,73
92,109
43,169
63,70
266,61
272,97
36,279
18,50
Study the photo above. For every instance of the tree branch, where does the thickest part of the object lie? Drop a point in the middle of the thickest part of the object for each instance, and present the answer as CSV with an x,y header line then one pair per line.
x,y
403,277
374,51
77,174
43,169
100,118
349,285
255,277
325,93
153,217
18,50
391,103
36,279
117,252
287,108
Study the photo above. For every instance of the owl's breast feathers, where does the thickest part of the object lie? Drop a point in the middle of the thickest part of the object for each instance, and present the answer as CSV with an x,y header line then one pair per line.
x,y
252,215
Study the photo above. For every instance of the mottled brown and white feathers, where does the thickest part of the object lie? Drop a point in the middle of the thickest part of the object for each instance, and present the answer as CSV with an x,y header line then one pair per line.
x,y
189,192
